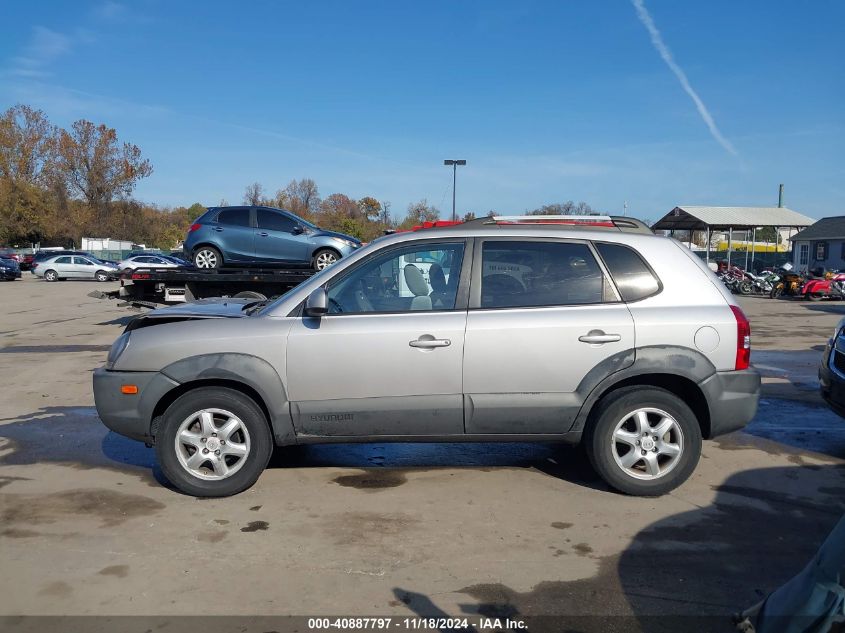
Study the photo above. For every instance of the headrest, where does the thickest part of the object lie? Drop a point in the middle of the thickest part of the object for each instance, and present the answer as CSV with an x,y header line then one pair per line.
x,y
415,280
437,278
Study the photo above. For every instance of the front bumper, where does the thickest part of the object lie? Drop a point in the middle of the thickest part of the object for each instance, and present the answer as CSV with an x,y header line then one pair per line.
x,y
832,378
732,397
129,415
9,274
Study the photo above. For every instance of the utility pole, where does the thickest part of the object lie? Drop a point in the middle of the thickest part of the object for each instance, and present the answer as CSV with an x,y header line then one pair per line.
x,y
454,164
625,208
780,196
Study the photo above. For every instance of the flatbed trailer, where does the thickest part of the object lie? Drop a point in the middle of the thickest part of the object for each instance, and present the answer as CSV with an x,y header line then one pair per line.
x,y
153,287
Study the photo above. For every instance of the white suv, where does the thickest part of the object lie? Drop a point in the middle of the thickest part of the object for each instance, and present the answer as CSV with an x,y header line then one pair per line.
x,y
584,329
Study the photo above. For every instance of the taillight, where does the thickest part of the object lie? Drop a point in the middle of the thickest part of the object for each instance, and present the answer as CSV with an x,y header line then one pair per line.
x,y
743,339
194,227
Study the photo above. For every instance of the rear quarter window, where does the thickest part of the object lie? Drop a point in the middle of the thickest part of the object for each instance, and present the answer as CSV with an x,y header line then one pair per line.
x,y
633,277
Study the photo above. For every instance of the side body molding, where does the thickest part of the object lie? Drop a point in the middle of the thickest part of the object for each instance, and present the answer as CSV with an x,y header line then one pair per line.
x,y
250,370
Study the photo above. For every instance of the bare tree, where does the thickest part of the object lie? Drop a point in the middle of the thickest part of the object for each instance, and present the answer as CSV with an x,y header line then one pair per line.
x,y
254,194
563,208
300,196
97,167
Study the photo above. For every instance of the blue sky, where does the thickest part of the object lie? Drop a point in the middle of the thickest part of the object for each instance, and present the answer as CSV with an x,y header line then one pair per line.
x,y
547,101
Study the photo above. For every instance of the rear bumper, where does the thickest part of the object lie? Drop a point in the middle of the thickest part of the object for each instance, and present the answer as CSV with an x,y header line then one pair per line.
x,y
6,273
129,415
732,397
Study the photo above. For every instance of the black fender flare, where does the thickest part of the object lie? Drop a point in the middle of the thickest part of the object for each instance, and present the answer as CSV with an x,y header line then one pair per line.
x,y
658,359
248,370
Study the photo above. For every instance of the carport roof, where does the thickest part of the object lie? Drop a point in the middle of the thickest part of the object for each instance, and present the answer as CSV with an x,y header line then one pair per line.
x,y
686,218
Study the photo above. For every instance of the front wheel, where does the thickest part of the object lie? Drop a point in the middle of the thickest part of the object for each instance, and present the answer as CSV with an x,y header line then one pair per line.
x,y
814,296
213,442
101,275
324,258
643,441
208,257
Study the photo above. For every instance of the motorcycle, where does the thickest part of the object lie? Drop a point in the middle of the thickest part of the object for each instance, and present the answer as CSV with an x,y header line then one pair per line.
x,y
790,283
830,286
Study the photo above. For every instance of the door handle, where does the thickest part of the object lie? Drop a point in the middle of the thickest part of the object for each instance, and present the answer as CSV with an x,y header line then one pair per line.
x,y
263,234
599,337
217,228
429,342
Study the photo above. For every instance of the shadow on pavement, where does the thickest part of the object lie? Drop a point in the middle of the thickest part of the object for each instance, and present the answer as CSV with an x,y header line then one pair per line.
x,y
688,572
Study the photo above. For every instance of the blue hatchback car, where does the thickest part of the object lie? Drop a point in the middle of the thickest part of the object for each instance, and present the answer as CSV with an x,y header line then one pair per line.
x,y
225,236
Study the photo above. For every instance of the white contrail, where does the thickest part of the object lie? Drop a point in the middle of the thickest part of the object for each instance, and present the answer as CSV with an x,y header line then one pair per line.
x,y
666,54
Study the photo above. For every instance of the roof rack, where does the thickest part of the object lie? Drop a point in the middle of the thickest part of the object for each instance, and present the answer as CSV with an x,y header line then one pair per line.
x,y
615,222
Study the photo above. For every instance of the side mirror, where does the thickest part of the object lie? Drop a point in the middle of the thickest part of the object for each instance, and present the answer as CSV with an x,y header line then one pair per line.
x,y
317,303
298,230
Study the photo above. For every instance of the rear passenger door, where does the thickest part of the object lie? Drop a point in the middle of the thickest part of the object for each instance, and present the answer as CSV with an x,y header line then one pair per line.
x,y
543,314
234,235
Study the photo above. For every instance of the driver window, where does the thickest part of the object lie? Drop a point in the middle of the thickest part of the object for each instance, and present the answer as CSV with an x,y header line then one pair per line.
x,y
82,261
423,277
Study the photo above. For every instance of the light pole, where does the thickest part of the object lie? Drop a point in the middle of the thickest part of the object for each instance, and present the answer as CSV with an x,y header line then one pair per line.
x,y
454,164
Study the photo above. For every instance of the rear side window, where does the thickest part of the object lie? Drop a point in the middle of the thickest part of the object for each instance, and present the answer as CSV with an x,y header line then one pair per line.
x,y
234,217
273,221
632,276
518,274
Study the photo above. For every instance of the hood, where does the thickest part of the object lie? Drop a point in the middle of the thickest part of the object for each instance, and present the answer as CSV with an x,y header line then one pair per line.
x,y
222,308
343,236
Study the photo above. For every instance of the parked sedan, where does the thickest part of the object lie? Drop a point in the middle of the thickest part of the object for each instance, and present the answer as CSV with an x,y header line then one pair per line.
x,y
148,261
9,269
75,267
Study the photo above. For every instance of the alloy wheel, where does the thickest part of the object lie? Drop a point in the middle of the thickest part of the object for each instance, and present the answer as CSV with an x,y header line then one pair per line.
x,y
212,444
647,443
206,259
325,259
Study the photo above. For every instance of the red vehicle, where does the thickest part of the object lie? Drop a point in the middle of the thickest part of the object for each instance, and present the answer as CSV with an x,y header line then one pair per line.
x,y
830,286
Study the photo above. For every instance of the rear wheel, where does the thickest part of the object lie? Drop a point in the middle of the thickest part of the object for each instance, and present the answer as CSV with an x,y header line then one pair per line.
x,y
643,441
208,257
324,258
51,275
814,296
213,442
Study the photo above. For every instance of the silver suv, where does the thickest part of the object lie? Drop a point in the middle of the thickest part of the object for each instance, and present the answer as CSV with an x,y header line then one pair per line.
x,y
586,330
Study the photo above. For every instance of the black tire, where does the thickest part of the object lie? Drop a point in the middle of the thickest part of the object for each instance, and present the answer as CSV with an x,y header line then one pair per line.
x,y
318,262
814,296
51,275
207,258
101,275
250,414
601,446
745,288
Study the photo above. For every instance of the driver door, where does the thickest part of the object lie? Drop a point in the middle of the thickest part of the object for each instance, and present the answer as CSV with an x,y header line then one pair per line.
x,y
387,358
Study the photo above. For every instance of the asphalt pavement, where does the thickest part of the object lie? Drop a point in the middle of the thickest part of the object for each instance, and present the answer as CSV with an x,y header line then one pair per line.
x,y
88,527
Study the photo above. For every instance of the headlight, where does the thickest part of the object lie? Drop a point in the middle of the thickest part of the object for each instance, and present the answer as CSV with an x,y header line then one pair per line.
x,y
347,242
117,348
